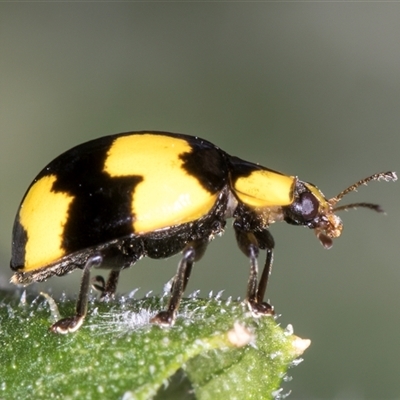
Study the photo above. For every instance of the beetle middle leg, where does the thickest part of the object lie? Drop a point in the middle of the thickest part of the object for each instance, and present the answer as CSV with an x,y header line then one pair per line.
x,y
192,252
250,243
73,323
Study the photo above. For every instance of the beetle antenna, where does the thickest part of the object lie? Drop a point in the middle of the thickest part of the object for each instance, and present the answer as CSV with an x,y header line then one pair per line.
x,y
387,176
371,206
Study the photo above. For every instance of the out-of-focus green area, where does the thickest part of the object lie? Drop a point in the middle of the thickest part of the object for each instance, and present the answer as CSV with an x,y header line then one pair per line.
x,y
311,89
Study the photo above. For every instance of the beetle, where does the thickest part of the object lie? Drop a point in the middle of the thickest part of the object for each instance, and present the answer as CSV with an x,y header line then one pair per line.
x,y
108,202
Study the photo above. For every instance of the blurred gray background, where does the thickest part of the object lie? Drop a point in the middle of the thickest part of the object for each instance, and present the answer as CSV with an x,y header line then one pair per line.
x,y
310,89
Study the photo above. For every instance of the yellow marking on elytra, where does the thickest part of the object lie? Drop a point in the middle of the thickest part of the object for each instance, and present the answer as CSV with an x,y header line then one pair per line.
x,y
43,215
168,195
265,189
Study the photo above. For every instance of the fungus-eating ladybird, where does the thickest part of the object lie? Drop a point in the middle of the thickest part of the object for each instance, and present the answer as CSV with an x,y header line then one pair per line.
x,y
111,201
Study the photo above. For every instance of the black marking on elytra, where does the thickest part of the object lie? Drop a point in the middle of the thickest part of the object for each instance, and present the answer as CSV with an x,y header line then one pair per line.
x,y
207,164
20,238
101,208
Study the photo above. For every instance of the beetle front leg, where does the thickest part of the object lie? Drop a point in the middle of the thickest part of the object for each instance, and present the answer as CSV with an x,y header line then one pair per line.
x,y
72,324
192,252
249,244
266,242
262,286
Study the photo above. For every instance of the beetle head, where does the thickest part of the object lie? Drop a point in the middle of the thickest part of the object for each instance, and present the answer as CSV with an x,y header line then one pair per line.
x,y
311,208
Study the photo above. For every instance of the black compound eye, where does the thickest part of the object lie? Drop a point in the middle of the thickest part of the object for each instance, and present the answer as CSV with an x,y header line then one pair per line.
x,y
305,208
308,206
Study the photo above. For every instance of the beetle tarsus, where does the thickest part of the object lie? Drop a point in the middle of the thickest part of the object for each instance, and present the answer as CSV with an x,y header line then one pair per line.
x,y
163,318
67,325
260,309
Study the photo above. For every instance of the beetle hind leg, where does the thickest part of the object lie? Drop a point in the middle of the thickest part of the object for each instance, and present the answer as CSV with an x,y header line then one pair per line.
x,y
73,323
192,252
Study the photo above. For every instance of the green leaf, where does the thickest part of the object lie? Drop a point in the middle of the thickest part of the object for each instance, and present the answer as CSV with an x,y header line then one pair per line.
x,y
223,350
